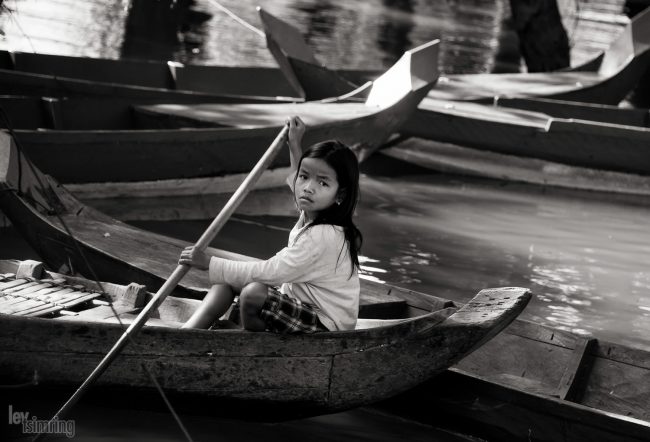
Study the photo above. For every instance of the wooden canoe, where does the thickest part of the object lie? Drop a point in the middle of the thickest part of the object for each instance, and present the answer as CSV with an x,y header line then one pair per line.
x,y
113,146
27,83
60,76
531,134
364,118
606,79
156,155
541,384
289,375
459,160
260,81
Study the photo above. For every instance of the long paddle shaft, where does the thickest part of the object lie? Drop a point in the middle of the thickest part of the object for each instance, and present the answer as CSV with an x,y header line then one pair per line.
x,y
180,271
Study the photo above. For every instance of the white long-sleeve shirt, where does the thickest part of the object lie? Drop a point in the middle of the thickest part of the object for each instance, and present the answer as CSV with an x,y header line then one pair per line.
x,y
315,268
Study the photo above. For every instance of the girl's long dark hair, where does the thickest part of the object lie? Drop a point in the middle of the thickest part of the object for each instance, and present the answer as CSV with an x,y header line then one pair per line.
x,y
344,162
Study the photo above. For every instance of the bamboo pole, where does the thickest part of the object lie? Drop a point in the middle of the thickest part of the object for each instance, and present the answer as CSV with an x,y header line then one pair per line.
x,y
178,274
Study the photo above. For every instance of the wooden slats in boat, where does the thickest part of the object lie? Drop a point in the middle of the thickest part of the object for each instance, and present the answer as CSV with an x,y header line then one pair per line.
x,y
34,297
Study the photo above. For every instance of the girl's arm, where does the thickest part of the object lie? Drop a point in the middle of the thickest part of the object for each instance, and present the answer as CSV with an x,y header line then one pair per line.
x,y
296,131
299,263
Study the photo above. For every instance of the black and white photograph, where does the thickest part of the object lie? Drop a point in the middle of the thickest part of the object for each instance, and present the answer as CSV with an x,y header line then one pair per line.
x,y
325,220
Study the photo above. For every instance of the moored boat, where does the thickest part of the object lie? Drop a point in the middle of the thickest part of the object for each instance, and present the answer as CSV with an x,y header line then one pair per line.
x,y
604,113
21,83
364,118
265,81
152,159
511,142
531,134
606,79
540,383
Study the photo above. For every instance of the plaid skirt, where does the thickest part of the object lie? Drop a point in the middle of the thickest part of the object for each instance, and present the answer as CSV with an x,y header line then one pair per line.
x,y
284,314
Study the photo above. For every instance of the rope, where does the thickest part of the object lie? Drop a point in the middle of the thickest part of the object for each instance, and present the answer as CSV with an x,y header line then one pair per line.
x,y
9,126
238,19
169,405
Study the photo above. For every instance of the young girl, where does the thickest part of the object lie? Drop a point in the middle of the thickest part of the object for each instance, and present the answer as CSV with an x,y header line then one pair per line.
x,y
316,272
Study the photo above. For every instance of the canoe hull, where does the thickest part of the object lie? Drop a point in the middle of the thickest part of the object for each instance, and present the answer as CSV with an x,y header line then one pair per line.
x,y
148,155
305,375
514,388
579,143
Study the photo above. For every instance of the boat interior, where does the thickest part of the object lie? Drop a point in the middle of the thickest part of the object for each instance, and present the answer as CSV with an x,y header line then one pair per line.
x,y
27,289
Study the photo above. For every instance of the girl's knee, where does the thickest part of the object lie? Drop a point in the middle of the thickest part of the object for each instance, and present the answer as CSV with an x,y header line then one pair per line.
x,y
251,301
252,296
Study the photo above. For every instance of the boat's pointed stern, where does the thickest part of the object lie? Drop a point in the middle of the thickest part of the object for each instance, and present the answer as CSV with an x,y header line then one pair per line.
x,y
306,75
18,175
641,32
13,166
289,38
416,71
5,159
631,44
489,312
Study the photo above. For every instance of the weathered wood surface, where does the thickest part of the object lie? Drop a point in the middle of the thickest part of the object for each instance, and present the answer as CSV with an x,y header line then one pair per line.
x,y
508,389
577,372
188,353
41,293
322,372
501,412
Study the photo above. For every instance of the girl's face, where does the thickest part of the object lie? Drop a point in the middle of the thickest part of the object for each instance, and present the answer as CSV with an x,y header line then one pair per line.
x,y
316,186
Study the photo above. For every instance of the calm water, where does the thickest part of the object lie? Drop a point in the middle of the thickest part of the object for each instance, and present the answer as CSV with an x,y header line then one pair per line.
x,y
586,256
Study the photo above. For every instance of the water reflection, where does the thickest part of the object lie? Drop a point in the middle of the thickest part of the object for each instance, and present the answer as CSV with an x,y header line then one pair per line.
x,y
321,21
370,272
393,36
583,257
89,28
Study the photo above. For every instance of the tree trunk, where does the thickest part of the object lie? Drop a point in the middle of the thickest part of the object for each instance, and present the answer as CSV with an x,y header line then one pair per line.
x,y
543,41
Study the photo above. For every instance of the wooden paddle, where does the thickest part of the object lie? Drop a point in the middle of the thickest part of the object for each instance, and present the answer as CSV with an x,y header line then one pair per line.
x,y
180,271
